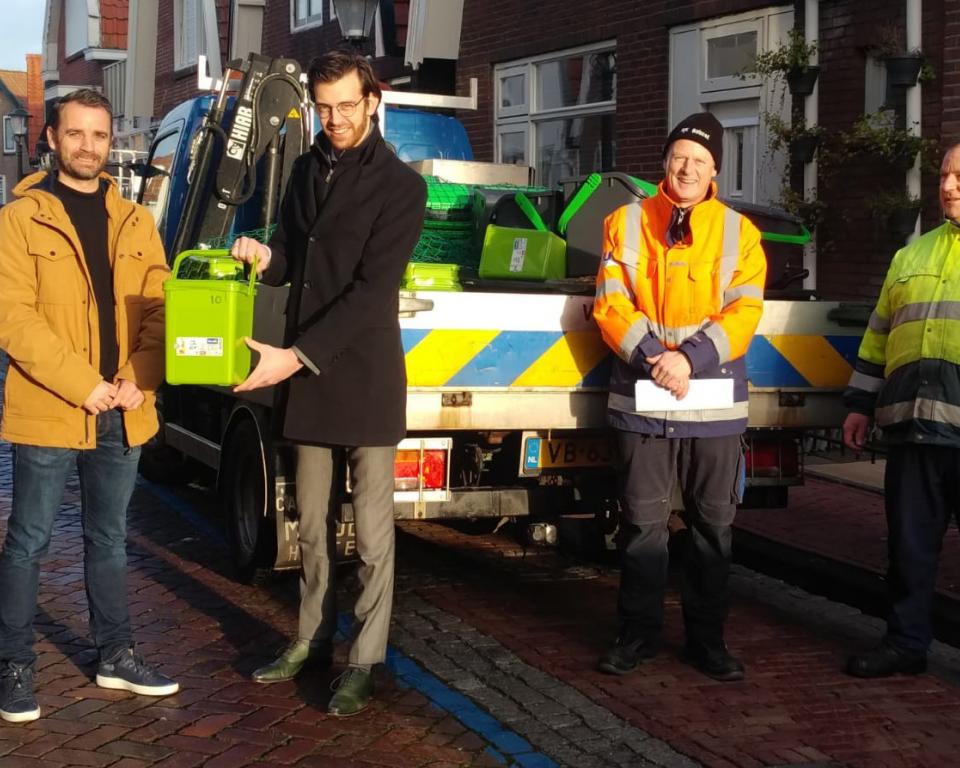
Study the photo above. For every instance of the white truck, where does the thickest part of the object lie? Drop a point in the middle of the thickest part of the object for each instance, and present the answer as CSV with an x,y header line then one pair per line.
x,y
506,389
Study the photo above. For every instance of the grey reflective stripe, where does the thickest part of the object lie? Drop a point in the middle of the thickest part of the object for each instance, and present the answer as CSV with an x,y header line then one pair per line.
x,y
926,310
921,408
611,285
676,336
731,247
634,336
631,235
625,404
716,334
878,324
732,294
866,383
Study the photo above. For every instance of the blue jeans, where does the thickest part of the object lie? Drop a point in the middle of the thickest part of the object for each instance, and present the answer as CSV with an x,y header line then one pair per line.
x,y
107,477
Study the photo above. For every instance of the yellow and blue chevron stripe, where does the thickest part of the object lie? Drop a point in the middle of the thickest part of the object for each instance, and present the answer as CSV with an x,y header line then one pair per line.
x,y
580,359
490,358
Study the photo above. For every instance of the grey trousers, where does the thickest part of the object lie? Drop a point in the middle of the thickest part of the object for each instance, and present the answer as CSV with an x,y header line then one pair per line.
x,y
710,473
371,472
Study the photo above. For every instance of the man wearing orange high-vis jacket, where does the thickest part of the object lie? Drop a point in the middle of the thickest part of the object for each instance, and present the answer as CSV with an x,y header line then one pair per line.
x,y
679,296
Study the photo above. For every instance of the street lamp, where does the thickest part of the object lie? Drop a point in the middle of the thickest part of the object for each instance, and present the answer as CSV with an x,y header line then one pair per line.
x,y
355,18
18,124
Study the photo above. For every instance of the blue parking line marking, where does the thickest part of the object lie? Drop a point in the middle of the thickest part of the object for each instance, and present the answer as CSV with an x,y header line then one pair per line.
x,y
407,671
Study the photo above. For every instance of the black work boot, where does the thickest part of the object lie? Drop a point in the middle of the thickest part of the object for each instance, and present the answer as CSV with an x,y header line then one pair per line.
x,y
886,660
626,653
714,661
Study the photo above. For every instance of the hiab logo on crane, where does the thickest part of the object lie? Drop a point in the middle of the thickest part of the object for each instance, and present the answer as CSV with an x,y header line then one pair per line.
x,y
240,133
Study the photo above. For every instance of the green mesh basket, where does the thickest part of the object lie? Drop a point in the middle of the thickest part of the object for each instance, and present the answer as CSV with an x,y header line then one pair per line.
x,y
447,247
224,243
447,201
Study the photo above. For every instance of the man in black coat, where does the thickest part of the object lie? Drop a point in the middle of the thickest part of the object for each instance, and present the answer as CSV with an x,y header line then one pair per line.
x,y
350,219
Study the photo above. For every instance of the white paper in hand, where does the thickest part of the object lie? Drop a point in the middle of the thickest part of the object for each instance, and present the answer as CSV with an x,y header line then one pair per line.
x,y
704,395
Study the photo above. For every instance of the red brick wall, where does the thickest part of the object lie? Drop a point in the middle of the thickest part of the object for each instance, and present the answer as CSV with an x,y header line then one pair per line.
x,y
172,87
854,249
76,70
496,31
855,253
279,41
35,105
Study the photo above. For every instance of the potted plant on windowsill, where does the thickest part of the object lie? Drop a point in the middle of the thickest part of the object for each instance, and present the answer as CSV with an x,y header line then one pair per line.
x,y
876,136
903,66
791,61
798,139
898,209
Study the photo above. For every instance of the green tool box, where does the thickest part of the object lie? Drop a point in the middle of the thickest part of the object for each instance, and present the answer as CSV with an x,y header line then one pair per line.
x,y
209,311
522,254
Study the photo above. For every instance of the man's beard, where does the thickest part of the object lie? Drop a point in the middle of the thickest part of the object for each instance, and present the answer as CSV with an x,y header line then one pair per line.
x,y
67,166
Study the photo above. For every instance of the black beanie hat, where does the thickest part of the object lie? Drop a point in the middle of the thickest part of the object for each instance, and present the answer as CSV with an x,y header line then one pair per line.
x,y
703,128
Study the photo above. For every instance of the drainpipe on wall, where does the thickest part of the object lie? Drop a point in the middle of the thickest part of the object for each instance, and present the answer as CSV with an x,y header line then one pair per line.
x,y
811,32
913,109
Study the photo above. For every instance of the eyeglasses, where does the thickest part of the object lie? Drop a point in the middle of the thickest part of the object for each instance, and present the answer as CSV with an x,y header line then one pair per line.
x,y
345,108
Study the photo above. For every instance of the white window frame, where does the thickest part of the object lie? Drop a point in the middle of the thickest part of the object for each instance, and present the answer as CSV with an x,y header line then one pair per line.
x,y
725,29
182,59
309,21
11,147
519,109
333,12
3,189
531,114
522,128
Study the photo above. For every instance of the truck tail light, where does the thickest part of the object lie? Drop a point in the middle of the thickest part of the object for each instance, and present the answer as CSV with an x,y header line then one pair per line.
x,y
773,458
421,469
415,469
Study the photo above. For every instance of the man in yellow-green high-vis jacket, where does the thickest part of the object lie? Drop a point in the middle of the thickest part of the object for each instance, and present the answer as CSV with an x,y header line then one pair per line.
x,y
907,377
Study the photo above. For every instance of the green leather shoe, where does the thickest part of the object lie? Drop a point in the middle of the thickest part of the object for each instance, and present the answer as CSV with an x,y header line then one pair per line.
x,y
290,662
353,690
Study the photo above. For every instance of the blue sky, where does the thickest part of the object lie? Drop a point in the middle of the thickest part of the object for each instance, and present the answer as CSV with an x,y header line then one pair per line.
x,y
21,32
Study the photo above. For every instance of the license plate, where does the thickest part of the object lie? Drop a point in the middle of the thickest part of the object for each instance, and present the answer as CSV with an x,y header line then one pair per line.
x,y
560,453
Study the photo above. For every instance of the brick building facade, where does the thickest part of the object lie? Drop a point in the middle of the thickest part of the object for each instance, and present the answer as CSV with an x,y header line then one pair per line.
x,y
853,251
648,82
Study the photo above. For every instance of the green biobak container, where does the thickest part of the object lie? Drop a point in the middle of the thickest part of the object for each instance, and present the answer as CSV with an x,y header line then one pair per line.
x,y
522,254
207,317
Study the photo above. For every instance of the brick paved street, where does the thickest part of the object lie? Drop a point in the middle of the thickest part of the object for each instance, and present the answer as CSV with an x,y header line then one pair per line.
x,y
491,663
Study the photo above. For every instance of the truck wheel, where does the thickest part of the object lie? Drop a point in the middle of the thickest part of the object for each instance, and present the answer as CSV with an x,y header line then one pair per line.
x,y
246,488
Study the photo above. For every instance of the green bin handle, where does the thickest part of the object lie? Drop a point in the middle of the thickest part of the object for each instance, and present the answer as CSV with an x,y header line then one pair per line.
x,y
211,252
589,186
531,213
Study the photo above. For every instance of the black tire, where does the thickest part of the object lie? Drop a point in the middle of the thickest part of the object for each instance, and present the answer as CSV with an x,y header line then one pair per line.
x,y
246,494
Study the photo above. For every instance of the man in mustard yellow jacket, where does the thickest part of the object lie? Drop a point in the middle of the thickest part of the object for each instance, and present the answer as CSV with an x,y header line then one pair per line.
x,y
679,296
81,321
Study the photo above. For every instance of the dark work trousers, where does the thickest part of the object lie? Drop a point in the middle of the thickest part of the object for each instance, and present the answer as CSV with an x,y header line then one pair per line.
x,y
922,494
710,473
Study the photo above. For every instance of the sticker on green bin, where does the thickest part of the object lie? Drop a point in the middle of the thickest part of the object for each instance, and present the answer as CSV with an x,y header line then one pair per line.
x,y
198,346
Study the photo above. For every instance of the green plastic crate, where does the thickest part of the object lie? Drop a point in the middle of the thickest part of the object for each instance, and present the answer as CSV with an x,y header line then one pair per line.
x,y
207,319
431,277
522,254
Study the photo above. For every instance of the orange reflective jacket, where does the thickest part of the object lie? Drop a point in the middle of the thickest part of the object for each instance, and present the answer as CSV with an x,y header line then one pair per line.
x,y
703,297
